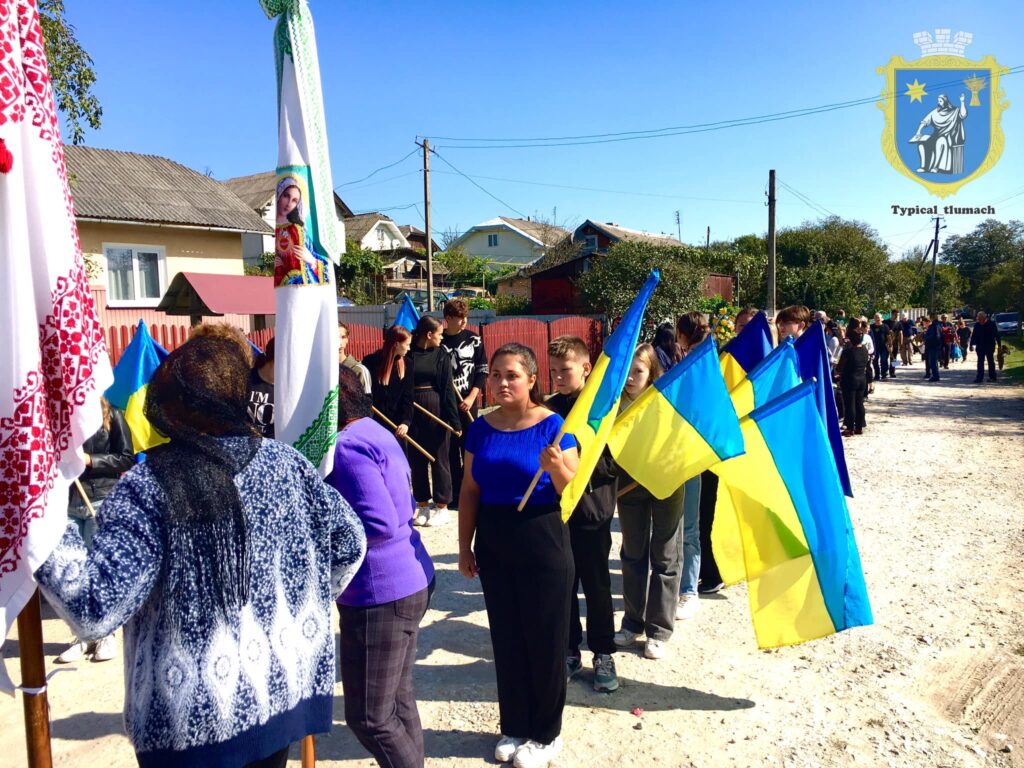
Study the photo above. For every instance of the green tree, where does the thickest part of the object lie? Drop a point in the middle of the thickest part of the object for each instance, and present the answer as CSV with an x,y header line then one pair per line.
x,y
71,72
979,253
1003,289
617,276
360,275
949,289
264,265
463,268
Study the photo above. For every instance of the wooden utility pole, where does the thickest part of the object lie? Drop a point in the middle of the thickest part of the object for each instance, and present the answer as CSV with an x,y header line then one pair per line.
x,y
33,681
426,224
707,242
935,257
679,227
771,245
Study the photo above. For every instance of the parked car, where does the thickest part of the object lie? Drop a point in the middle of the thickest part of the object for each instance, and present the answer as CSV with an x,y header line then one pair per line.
x,y
419,298
1008,322
470,292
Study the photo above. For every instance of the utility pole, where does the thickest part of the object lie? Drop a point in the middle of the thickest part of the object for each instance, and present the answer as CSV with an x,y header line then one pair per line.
x,y
426,223
707,242
679,227
771,244
935,258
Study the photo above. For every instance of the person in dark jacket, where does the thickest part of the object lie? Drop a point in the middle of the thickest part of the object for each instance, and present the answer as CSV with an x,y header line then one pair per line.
x,y
984,340
880,336
391,381
963,337
433,392
108,455
933,344
852,371
261,392
590,528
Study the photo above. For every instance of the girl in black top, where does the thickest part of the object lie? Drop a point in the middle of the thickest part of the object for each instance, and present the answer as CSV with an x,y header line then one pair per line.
x,y
391,380
853,382
433,391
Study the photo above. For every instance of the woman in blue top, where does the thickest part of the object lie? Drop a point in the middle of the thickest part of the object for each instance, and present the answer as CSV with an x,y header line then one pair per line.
x,y
523,558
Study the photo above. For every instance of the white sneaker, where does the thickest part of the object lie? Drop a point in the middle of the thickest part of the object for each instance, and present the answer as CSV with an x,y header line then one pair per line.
x,y
422,516
654,649
507,748
624,638
687,606
106,649
536,755
73,652
440,516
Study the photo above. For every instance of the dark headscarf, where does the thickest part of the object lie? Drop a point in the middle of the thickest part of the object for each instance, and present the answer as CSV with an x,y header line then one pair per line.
x,y
197,397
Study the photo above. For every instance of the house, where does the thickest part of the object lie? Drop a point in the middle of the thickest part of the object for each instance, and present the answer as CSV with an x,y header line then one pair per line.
x,y
142,219
375,232
409,272
553,279
510,242
418,238
258,191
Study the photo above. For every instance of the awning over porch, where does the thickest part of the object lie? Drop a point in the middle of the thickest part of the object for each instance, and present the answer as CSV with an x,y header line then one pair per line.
x,y
201,294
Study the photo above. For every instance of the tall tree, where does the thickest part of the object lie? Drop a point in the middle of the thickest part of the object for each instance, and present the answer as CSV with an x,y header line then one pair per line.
x,y
979,253
71,72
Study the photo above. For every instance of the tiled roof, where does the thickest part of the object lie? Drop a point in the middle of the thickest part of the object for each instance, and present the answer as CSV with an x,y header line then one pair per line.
x,y
125,186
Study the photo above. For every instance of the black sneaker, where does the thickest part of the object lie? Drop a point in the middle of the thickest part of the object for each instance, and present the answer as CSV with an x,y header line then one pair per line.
x,y
605,679
573,666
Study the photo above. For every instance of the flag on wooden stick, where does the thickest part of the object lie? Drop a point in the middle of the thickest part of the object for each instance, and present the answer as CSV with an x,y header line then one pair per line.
x,y
309,239
53,362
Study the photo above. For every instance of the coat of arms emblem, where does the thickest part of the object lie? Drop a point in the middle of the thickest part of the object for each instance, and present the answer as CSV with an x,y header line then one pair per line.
x,y
942,113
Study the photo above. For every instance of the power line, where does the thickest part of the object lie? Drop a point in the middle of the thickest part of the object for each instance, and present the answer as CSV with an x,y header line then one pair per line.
x,y
374,173
478,186
816,207
654,133
385,180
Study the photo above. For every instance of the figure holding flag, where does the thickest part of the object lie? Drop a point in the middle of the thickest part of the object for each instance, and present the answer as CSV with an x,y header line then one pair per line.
x,y
522,555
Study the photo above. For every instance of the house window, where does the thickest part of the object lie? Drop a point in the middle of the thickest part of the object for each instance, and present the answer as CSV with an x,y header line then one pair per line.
x,y
590,243
136,274
492,241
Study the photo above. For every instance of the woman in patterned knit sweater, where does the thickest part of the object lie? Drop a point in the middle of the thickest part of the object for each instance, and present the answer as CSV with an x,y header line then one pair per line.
x,y
220,556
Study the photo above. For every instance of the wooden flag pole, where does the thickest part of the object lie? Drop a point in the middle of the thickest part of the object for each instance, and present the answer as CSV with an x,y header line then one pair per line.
x,y
631,487
536,477
33,681
85,498
444,424
462,400
407,439
308,752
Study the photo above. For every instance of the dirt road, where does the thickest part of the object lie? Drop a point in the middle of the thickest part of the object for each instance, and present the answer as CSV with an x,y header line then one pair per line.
x,y
938,681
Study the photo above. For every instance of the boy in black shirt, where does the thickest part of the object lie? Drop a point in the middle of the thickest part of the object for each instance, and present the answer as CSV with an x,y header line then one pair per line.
x,y
590,528
853,380
469,372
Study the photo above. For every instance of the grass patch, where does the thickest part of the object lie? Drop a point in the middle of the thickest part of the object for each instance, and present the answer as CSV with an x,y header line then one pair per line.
x,y
1013,366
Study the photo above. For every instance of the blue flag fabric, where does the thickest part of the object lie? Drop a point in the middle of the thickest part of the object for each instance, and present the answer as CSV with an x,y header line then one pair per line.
x,y
812,351
408,317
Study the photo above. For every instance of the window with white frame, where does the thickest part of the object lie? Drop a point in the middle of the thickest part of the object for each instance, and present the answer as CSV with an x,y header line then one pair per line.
x,y
492,241
136,274
590,243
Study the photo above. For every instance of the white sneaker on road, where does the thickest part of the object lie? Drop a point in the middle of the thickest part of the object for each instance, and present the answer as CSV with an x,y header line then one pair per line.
x,y
106,649
654,649
687,606
536,755
422,516
625,638
73,652
440,516
507,748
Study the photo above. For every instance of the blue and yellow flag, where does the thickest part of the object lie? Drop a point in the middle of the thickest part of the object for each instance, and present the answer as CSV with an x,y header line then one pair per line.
x,y
747,349
128,392
592,417
407,317
812,350
775,375
799,555
679,426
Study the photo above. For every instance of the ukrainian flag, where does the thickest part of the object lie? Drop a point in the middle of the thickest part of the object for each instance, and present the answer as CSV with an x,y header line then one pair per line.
x,y
679,426
747,349
800,558
128,392
591,419
812,351
775,375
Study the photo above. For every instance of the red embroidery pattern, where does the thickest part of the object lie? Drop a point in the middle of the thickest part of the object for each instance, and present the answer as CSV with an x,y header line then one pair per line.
x,y
70,338
71,345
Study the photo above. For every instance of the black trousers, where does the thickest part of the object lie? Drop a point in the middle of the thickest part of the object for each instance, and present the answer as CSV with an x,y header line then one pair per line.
x,y
378,650
880,361
527,575
277,760
434,439
457,456
983,355
590,550
853,405
709,575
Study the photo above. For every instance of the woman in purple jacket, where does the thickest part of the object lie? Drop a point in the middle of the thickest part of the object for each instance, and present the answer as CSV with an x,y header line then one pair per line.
x,y
383,605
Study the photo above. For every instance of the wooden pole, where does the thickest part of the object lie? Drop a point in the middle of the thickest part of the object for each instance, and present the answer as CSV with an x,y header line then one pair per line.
x,y
443,423
33,680
631,487
407,439
771,245
308,752
461,399
536,477
85,498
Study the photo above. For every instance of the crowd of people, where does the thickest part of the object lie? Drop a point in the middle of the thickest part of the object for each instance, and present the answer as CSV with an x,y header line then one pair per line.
x,y
221,554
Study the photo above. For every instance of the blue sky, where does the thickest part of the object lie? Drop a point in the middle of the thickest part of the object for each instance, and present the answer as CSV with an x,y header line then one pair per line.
x,y
194,81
